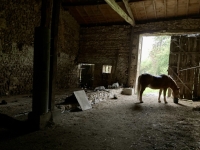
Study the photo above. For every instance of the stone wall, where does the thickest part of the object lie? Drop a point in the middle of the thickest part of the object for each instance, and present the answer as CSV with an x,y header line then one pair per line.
x,y
17,23
68,45
18,20
106,45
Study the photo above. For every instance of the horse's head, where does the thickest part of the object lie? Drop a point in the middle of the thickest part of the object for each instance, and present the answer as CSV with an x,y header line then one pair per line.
x,y
176,92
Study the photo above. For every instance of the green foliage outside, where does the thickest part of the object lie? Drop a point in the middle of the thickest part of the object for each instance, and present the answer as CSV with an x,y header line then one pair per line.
x,y
158,60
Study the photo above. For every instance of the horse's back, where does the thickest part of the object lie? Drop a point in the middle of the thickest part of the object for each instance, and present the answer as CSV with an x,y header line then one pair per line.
x,y
145,78
154,81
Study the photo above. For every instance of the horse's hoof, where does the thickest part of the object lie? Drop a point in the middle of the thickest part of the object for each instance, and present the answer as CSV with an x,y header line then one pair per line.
x,y
159,101
165,102
141,101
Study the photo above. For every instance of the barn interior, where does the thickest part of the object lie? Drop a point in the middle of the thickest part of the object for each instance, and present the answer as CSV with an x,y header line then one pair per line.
x,y
51,48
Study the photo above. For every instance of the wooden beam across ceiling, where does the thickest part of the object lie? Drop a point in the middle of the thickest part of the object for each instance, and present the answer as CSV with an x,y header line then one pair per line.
x,y
129,10
95,2
120,11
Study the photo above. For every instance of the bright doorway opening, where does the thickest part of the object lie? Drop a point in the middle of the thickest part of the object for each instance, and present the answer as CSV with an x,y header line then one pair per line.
x,y
155,57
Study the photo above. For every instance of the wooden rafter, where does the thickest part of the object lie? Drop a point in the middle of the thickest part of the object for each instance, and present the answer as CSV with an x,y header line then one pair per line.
x,y
199,7
94,2
145,10
94,13
85,11
134,10
120,11
80,14
165,4
187,7
176,8
102,13
154,7
129,10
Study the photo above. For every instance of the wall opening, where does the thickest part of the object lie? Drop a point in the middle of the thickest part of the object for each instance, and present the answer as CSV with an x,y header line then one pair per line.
x,y
86,75
155,56
106,69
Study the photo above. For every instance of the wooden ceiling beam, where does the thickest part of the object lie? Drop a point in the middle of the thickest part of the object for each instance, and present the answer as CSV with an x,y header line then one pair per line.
x,y
199,7
120,11
129,10
69,4
102,14
133,5
154,7
145,10
99,2
165,4
187,7
176,8
80,15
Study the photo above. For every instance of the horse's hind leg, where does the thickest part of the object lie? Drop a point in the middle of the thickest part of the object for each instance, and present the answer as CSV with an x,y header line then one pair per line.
x,y
160,92
164,94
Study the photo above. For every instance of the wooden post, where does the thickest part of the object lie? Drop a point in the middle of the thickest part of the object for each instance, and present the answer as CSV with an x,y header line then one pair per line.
x,y
53,52
40,114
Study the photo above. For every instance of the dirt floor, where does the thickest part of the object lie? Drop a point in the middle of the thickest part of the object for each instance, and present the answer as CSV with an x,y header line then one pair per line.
x,y
113,124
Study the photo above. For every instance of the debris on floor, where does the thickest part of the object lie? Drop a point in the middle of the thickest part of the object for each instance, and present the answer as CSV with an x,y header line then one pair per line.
x,y
77,101
100,88
81,100
196,108
127,91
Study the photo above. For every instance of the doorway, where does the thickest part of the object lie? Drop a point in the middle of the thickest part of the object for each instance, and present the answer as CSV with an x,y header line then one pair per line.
x,y
155,54
154,60
86,75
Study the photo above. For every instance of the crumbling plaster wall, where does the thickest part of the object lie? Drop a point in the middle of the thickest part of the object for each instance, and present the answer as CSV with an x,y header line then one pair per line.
x,y
18,20
164,27
106,45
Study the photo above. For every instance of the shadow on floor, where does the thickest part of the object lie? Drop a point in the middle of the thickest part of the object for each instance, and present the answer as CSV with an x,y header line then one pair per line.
x,y
11,128
137,107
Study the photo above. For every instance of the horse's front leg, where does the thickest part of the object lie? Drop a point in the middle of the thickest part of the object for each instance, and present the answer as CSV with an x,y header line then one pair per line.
x,y
160,92
164,94
141,92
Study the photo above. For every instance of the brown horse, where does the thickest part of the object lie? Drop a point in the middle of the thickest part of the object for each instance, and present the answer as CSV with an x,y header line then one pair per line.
x,y
161,82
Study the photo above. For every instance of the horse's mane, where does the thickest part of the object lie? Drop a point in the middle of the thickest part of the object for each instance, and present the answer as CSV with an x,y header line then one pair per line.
x,y
173,81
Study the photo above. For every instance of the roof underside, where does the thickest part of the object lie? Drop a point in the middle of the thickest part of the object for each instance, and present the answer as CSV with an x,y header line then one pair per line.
x,y
96,12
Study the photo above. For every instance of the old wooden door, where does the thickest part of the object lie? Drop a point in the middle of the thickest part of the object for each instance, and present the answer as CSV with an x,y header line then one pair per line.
x,y
184,62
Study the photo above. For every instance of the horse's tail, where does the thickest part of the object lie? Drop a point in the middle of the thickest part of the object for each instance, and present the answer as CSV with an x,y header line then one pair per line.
x,y
138,87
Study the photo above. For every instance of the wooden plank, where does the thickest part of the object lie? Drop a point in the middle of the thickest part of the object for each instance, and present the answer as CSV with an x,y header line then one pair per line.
x,y
120,11
129,10
182,82
46,9
165,8
53,52
100,9
198,83
195,82
187,7
154,7
145,10
134,10
199,6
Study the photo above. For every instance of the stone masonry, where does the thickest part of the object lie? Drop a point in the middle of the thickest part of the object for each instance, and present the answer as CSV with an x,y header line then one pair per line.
x,y
18,20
